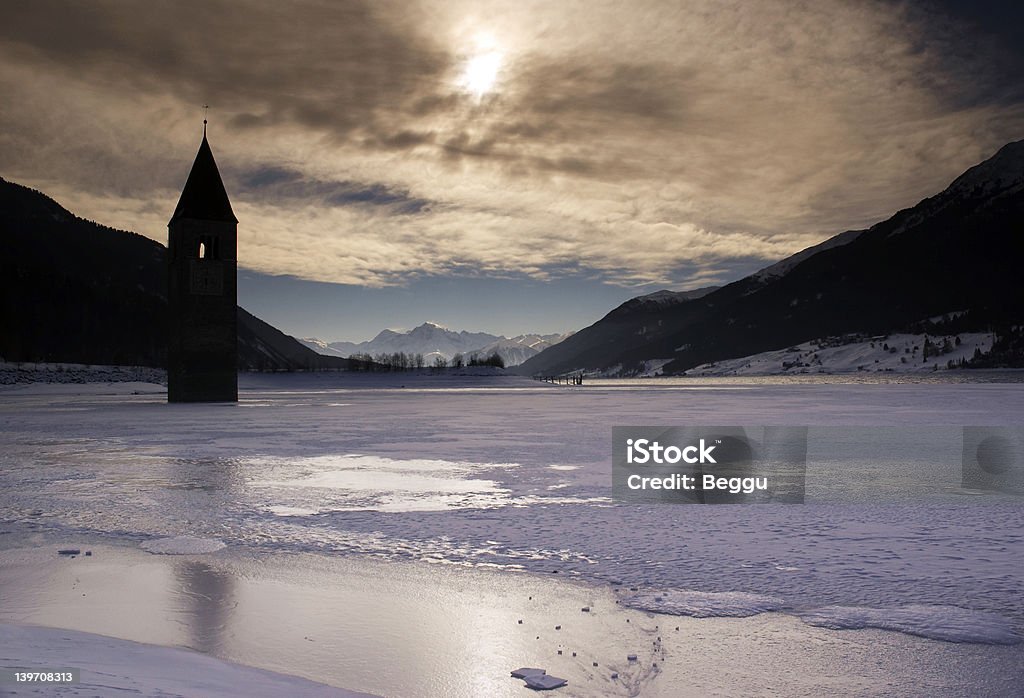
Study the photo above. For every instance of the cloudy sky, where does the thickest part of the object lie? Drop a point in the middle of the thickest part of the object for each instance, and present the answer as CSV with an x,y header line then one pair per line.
x,y
504,166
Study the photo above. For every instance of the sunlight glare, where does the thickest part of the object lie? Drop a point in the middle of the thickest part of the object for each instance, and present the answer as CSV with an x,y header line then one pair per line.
x,y
480,73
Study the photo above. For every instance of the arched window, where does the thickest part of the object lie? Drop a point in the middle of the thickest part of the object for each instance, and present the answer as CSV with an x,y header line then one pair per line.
x,y
208,247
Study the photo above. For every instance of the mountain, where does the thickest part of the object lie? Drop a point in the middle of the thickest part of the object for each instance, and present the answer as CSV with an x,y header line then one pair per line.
x,y
425,339
956,252
322,347
663,299
433,340
78,292
516,350
263,347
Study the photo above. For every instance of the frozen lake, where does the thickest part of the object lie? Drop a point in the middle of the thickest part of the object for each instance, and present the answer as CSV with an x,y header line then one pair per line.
x,y
507,475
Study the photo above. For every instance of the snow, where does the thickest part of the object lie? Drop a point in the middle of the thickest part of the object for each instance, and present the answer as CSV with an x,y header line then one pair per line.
x,y
457,472
182,545
653,367
467,377
783,267
1004,170
27,373
948,623
666,298
703,604
663,297
433,340
322,347
110,666
936,622
891,353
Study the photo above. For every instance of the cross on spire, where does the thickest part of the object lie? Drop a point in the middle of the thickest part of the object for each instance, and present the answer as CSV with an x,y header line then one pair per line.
x,y
206,109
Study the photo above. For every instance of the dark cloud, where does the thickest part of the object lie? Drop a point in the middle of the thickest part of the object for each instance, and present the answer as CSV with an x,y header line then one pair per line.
x,y
403,140
284,186
977,46
335,67
645,142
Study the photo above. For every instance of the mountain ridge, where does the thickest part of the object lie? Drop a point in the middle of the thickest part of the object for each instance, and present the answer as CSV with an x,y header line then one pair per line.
x,y
436,341
952,251
76,291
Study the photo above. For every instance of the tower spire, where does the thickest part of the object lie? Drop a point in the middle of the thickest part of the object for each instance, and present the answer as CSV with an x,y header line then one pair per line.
x,y
204,197
206,109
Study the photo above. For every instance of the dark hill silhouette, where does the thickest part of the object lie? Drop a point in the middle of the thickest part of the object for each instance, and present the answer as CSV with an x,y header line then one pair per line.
x,y
960,250
75,291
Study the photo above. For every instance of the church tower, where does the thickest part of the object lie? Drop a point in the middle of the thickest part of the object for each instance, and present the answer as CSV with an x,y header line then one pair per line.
x,y
202,291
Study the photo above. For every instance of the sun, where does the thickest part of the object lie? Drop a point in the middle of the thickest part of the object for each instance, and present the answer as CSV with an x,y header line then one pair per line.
x,y
481,69
481,73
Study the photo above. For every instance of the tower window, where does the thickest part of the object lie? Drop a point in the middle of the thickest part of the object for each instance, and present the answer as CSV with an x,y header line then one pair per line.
x,y
208,247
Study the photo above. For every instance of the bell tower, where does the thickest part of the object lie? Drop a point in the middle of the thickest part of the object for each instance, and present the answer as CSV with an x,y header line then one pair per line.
x,y
202,291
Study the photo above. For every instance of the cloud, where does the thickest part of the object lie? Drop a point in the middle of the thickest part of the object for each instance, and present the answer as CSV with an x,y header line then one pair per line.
x,y
645,143
284,187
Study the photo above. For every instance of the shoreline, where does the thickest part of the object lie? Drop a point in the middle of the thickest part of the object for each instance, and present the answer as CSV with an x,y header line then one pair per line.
x,y
105,663
416,629
26,375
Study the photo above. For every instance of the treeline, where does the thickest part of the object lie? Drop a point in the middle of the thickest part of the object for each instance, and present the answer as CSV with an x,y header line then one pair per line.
x,y
402,361
1007,350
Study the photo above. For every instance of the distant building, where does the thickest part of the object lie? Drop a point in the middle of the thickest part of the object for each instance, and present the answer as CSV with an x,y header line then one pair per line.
x,y
202,290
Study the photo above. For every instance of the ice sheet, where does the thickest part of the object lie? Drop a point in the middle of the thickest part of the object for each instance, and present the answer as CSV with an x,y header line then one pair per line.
x,y
516,476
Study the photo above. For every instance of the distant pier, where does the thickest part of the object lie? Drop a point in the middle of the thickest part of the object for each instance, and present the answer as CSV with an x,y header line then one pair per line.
x,y
572,379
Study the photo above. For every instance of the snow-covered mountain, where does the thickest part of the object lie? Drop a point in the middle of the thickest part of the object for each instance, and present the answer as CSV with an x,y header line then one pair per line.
x,y
781,268
321,347
432,340
664,299
516,350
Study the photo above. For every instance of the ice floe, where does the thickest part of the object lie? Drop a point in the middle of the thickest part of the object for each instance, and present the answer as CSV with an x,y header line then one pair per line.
x,y
538,679
948,623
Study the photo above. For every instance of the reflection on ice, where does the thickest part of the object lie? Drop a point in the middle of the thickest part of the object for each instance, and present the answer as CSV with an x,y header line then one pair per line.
x,y
360,482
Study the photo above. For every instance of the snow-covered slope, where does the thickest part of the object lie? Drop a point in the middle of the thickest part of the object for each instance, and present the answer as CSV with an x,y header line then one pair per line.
x,y
26,372
1002,172
896,353
662,299
782,267
322,347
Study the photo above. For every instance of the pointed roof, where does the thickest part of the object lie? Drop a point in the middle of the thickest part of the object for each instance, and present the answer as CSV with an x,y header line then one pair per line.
x,y
203,197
